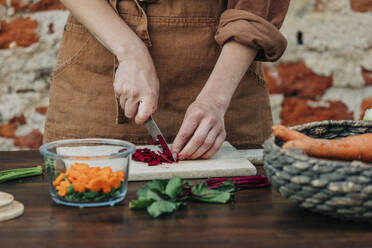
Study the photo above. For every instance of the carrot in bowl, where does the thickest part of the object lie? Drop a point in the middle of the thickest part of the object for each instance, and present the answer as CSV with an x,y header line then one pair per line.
x,y
84,178
63,188
59,179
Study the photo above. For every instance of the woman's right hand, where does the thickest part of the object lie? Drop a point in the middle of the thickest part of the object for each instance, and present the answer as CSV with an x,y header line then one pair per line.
x,y
136,82
137,85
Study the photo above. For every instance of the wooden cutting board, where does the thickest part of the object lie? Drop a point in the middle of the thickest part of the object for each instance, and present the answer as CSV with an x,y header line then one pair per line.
x,y
227,162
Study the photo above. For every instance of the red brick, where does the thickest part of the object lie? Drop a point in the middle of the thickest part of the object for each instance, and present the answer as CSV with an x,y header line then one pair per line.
x,y
32,140
366,104
296,80
18,119
20,5
297,111
20,30
8,130
367,75
319,6
41,110
273,80
361,5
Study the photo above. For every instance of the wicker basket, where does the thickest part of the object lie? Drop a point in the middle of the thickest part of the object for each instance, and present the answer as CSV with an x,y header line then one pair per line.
x,y
336,188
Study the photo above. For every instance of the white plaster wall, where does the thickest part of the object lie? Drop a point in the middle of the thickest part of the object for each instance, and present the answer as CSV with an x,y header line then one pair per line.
x,y
28,69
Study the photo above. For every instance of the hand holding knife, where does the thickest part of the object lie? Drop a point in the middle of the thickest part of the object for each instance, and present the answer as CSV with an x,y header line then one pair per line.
x,y
158,137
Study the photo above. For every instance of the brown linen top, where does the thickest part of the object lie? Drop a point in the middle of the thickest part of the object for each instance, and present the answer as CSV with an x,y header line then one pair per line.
x,y
256,24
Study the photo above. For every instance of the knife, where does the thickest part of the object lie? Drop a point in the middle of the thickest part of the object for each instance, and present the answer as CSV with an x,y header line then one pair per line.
x,y
156,134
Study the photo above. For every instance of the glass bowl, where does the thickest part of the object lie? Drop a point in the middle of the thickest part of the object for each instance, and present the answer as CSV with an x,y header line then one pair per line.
x,y
87,172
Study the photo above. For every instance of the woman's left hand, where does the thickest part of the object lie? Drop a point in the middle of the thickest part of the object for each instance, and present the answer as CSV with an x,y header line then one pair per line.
x,y
203,129
202,132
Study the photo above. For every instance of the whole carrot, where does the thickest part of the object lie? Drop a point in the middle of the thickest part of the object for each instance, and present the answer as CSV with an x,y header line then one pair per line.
x,y
286,134
358,147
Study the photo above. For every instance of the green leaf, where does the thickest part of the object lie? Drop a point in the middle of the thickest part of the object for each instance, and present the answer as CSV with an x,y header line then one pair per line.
x,y
70,189
174,187
158,185
50,163
142,191
160,196
90,194
56,173
140,203
201,192
227,186
152,195
158,208
115,193
99,197
155,185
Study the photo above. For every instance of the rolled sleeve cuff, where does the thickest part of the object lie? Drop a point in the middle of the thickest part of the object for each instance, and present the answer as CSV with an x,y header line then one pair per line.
x,y
252,31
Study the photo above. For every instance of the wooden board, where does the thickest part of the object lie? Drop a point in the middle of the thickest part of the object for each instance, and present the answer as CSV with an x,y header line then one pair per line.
x,y
226,162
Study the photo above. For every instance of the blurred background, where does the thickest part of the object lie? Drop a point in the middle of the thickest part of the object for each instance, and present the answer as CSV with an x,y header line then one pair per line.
x,y
325,73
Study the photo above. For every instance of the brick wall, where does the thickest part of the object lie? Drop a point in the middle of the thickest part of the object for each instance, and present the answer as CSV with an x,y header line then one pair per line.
x,y
326,72
29,38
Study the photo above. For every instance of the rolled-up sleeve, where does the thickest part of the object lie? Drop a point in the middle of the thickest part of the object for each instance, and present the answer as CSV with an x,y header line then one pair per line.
x,y
255,23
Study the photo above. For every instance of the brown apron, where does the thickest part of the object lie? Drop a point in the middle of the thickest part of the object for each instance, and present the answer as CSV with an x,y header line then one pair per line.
x,y
180,37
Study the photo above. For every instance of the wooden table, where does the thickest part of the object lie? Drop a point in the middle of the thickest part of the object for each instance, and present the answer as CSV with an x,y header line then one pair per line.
x,y
257,218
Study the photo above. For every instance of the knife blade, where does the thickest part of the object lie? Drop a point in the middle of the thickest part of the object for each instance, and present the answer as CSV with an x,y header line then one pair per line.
x,y
156,134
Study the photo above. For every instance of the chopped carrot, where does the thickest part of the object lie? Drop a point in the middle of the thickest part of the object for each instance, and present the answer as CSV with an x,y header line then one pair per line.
x,y
115,182
106,171
120,174
98,183
106,188
78,186
73,175
63,188
82,177
58,180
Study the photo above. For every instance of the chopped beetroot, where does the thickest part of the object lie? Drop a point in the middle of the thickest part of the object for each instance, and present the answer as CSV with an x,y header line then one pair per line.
x,y
165,147
152,158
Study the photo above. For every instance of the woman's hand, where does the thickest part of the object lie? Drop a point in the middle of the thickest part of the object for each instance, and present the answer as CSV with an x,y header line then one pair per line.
x,y
202,132
136,82
137,85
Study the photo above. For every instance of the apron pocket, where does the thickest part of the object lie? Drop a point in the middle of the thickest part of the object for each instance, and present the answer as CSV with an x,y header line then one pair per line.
x,y
74,41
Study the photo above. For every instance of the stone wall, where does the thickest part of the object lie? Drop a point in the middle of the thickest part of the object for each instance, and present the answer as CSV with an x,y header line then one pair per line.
x,y
326,72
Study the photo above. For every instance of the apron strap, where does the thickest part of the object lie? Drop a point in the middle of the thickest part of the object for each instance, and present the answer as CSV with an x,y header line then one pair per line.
x,y
142,29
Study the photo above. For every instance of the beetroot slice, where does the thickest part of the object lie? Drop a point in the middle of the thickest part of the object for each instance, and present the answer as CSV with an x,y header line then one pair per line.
x,y
152,158
165,147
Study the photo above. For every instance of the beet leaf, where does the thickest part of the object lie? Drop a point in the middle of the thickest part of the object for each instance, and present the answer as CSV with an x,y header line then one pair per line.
x,y
166,196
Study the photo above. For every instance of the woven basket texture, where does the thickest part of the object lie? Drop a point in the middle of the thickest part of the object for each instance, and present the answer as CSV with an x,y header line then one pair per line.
x,y
341,189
